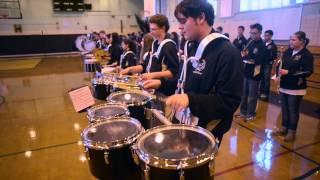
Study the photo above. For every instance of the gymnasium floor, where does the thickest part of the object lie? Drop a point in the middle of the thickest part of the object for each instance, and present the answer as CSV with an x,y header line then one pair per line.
x,y
40,131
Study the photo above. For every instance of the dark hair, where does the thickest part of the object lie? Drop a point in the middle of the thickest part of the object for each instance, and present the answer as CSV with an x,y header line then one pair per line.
x,y
194,9
160,20
269,32
175,37
226,34
102,31
108,36
220,28
115,38
131,44
256,26
241,27
302,37
147,44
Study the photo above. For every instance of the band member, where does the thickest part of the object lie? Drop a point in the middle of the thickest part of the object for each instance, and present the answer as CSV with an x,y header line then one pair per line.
x,y
219,29
175,37
297,65
240,42
163,61
128,58
208,82
253,57
271,55
115,50
108,42
101,43
146,45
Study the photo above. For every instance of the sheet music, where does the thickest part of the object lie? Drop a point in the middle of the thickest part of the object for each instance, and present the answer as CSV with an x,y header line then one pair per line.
x,y
81,98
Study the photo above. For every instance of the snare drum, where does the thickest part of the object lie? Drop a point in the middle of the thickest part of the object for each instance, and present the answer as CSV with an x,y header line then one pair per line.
x,y
137,102
101,87
107,147
176,152
107,111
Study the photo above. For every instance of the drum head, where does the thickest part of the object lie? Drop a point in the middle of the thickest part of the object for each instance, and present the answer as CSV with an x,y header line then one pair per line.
x,y
113,133
78,42
177,143
89,45
130,98
107,111
126,82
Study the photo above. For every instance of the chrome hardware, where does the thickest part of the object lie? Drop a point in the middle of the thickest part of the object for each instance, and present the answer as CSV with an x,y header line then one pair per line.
x,y
181,175
212,167
134,154
106,157
86,152
146,172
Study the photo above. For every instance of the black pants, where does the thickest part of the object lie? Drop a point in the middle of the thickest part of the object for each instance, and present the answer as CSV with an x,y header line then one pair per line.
x,y
290,106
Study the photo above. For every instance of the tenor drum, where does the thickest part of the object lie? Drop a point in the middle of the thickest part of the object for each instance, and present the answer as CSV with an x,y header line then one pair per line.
x,y
107,111
174,152
137,101
107,147
102,87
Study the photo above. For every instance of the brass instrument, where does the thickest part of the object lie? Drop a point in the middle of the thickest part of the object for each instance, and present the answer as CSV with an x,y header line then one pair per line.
x,y
276,68
101,55
245,51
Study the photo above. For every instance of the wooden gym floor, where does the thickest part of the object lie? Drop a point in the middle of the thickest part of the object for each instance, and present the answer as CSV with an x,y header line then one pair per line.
x,y
40,131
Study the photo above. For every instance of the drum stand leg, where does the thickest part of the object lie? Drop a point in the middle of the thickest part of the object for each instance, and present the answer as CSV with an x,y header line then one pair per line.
x,y
181,173
146,172
212,167
106,157
86,152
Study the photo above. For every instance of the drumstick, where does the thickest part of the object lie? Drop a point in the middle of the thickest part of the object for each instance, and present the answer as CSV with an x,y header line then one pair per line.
x,y
160,117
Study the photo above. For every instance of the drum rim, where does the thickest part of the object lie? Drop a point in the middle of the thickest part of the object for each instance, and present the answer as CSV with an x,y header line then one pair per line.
x,y
176,164
97,145
148,95
129,86
92,118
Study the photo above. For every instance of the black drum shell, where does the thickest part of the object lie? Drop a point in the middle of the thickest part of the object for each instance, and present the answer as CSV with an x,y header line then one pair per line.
x,y
121,164
201,172
139,112
101,91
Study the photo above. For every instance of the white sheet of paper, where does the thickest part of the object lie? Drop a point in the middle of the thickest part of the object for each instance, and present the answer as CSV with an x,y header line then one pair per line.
x,y
81,98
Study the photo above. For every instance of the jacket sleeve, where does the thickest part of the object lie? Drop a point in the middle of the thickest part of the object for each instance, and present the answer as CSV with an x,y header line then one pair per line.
x,y
171,57
132,61
168,86
306,68
225,96
274,52
115,55
259,58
